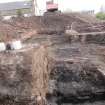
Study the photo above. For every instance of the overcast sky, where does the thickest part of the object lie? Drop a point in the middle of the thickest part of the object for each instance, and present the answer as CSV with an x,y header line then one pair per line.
x,y
75,5
79,5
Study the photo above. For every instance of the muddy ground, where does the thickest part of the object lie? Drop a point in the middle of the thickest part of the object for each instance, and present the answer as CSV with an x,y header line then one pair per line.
x,y
62,72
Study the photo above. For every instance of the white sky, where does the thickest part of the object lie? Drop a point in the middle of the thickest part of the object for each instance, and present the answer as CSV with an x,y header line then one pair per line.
x,y
75,5
78,5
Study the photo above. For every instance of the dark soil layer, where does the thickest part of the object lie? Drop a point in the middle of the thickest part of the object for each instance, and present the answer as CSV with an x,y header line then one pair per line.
x,y
75,78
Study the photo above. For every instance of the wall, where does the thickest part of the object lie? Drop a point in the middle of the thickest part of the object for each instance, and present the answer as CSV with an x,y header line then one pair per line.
x,y
40,7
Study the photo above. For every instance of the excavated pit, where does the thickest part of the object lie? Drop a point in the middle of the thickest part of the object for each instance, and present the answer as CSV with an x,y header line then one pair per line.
x,y
57,74
77,68
75,77
64,72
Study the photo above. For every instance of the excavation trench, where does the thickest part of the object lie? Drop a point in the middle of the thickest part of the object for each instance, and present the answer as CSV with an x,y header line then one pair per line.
x,y
54,75
59,73
74,77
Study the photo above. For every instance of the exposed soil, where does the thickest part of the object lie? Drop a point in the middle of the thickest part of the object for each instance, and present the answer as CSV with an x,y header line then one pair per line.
x,y
61,71
51,23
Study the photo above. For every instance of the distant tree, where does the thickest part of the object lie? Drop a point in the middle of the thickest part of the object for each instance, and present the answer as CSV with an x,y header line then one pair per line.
x,y
19,13
100,16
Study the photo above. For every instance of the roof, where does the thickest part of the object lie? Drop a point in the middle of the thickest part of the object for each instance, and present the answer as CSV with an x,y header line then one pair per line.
x,y
15,5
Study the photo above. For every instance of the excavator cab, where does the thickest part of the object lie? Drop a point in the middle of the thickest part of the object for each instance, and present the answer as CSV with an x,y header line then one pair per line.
x,y
51,6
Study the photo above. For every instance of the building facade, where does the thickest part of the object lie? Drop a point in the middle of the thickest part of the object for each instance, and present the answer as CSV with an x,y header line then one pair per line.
x,y
12,8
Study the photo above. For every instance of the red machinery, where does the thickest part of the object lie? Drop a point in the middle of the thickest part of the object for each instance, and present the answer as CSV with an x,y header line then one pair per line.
x,y
51,6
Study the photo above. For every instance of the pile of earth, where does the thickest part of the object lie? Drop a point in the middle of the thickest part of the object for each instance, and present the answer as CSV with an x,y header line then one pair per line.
x,y
50,23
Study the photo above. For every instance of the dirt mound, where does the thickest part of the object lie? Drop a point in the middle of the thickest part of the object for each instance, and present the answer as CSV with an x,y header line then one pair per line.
x,y
50,23
87,18
7,32
60,20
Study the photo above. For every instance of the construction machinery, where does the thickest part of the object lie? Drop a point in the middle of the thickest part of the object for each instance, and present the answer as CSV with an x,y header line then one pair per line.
x,y
51,6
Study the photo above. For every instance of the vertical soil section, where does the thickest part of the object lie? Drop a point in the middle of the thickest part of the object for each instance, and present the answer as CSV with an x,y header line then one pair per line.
x,y
23,77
